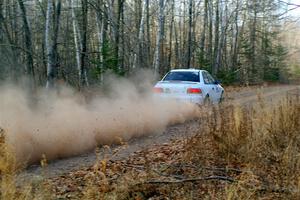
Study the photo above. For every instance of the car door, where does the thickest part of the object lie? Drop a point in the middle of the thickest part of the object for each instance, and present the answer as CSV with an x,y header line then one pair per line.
x,y
216,89
210,86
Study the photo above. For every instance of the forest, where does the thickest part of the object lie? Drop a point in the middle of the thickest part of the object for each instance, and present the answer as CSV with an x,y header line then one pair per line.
x,y
77,42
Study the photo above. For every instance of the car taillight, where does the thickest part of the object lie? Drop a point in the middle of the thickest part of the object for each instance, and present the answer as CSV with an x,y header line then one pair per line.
x,y
194,91
158,90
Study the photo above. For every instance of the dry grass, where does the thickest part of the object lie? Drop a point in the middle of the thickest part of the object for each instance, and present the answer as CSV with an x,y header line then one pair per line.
x,y
262,142
9,169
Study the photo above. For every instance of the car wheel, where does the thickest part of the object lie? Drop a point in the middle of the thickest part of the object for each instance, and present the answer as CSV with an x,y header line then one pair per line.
x,y
221,97
207,101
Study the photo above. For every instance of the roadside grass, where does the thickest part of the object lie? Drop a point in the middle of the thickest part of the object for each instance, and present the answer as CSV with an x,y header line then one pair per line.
x,y
9,168
261,143
250,152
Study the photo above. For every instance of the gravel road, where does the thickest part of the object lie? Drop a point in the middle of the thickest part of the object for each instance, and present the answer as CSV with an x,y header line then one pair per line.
x,y
242,97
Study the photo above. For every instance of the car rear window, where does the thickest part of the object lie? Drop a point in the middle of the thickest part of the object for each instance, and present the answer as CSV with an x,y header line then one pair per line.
x,y
182,76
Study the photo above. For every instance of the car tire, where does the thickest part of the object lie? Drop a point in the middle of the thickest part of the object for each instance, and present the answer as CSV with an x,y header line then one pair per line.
x,y
221,97
207,101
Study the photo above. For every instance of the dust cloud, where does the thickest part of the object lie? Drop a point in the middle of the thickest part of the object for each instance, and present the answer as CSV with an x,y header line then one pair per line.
x,y
63,123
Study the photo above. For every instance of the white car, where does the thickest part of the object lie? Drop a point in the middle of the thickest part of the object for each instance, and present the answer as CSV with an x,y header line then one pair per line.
x,y
189,85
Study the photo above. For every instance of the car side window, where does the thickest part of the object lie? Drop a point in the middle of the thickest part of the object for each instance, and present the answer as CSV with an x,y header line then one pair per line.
x,y
206,78
211,79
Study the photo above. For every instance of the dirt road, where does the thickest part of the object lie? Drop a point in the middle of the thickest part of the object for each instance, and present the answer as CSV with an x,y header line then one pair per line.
x,y
243,97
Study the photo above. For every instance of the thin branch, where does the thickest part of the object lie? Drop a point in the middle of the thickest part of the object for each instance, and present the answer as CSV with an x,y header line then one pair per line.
x,y
285,12
289,4
189,180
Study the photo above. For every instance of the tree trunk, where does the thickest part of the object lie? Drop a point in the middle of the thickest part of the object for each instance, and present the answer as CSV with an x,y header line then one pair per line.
x,y
140,43
236,36
203,33
29,69
171,28
189,44
253,42
51,35
84,79
216,44
210,36
159,38
78,45
48,46
117,34
100,29
221,39
148,47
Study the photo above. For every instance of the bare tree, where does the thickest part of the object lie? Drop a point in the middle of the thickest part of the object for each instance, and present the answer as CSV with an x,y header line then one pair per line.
x,y
203,33
159,37
84,79
51,36
48,42
140,43
117,32
189,44
171,29
29,70
101,21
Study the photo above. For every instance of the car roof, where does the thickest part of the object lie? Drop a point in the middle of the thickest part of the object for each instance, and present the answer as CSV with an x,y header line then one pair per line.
x,y
186,70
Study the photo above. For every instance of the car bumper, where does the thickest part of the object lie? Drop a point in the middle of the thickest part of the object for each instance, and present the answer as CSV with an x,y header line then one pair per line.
x,y
196,99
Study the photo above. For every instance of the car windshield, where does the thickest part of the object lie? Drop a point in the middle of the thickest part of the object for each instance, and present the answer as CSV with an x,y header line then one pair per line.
x,y
182,76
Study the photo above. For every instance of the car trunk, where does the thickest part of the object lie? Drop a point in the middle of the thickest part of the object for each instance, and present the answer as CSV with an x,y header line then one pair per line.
x,y
175,87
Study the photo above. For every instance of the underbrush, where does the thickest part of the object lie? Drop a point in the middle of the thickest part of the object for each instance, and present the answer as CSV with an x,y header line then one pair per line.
x,y
10,187
260,143
250,152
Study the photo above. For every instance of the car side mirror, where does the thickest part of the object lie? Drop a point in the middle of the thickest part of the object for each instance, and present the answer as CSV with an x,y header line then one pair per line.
x,y
217,82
